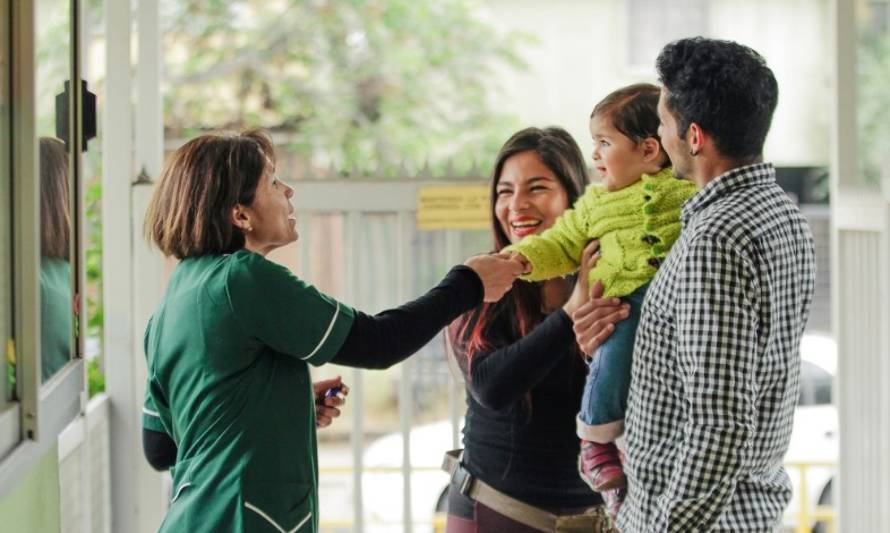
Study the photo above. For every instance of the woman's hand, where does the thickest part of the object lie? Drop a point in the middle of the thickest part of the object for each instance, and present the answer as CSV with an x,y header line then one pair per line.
x,y
581,293
328,398
497,274
595,320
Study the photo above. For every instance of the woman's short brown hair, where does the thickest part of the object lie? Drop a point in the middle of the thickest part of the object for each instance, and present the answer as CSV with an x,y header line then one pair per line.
x,y
190,212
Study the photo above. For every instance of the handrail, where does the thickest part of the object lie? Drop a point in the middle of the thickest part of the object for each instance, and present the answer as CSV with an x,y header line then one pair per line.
x,y
805,515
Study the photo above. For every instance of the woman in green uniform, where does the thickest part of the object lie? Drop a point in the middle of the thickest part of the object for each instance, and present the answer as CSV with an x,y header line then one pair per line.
x,y
229,403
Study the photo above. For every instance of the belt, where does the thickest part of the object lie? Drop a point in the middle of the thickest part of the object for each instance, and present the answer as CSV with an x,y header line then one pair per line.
x,y
593,520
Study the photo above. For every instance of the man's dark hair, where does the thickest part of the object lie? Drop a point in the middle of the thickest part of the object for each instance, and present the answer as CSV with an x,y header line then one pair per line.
x,y
724,87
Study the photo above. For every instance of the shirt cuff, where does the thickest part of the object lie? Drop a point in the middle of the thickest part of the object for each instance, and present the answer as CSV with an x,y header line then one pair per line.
x,y
152,420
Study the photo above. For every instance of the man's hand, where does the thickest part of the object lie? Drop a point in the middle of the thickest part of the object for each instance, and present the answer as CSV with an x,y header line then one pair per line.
x,y
329,395
595,320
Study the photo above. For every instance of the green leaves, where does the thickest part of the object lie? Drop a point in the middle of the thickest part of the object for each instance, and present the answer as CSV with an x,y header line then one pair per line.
x,y
361,84
873,103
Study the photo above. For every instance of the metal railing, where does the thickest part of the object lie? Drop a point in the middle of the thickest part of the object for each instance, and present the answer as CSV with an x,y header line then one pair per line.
x,y
804,517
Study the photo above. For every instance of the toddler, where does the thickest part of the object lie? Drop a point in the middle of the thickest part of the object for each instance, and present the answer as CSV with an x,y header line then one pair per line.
x,y
635,214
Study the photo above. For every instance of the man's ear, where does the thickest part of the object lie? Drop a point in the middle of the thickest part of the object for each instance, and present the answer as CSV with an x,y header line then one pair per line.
x,y
240,218
695,138
651,149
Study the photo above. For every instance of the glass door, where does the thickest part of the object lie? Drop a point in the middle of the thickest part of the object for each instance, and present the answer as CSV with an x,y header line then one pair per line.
x,y
7,367
53,97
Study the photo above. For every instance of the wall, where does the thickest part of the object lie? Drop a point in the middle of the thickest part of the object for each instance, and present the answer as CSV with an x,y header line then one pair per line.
x,y
580,55
34,505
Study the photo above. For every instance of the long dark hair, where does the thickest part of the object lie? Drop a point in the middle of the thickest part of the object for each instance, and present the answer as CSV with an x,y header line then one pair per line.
x,y
522,306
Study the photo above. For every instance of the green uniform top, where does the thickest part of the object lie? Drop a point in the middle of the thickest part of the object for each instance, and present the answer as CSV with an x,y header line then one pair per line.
x,y
55,315
636,227
228,380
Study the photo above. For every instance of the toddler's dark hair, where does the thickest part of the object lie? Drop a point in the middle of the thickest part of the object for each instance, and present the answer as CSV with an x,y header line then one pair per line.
x,y
633,111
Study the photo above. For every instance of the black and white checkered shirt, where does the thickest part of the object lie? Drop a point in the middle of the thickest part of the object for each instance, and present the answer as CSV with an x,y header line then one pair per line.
x,y
717,364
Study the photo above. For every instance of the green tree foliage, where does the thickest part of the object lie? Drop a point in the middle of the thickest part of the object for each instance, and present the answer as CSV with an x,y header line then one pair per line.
x,y
873,102
366,85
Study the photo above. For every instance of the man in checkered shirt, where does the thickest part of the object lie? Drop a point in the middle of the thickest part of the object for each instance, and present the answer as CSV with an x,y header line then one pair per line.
x,y
716,362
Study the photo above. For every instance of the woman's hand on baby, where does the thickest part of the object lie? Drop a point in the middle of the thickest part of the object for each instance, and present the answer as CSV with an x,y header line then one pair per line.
x,y
496,272
581,293
329,395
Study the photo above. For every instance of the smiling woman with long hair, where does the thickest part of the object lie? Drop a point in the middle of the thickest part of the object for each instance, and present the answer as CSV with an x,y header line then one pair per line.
x,y
524,375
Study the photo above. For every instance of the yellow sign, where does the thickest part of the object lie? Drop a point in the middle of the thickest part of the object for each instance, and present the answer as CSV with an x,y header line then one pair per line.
x,y
456,207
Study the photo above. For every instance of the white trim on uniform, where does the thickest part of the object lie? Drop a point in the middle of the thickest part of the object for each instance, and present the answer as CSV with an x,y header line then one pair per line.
x,y
269,519
180,489
327,333
149,412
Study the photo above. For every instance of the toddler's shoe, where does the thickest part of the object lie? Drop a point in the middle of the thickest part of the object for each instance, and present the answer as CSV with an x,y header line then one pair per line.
x,y
600,467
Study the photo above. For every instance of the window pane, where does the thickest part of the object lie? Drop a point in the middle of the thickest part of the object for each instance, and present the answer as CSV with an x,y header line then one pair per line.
x,y
53,72
6,370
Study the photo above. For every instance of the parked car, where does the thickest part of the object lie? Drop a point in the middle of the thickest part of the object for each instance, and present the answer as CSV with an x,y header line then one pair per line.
x,y
382,491
815,437
814,440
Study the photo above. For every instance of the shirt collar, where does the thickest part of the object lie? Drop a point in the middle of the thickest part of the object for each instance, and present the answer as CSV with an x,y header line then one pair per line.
x,y
754,175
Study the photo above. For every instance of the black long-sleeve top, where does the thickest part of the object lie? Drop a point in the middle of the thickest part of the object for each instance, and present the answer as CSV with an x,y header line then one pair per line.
x,y
375,342
523,396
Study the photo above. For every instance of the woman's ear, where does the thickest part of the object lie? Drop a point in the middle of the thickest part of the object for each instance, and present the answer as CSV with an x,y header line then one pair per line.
x,y
240,218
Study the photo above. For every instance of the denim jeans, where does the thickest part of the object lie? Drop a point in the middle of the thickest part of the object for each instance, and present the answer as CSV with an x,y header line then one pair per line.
x,y
608,381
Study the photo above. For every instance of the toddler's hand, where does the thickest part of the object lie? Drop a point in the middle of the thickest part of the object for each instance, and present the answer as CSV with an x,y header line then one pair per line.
x,y
497,274
520,259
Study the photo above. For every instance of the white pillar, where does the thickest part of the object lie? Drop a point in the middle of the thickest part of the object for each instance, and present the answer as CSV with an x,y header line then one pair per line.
x,y
151,491
861,303
149,112
147,263
117,164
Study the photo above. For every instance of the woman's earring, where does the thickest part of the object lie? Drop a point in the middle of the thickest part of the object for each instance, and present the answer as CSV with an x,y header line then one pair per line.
x,y
248,229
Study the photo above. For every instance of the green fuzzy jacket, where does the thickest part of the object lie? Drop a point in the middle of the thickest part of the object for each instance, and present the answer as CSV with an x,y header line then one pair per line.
x,y
634,225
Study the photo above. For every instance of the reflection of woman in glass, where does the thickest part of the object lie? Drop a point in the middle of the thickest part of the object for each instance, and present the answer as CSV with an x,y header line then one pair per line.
x,y
55,269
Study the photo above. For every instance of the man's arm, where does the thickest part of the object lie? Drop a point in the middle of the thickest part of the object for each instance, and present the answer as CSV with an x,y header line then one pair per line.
x,y
717,356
